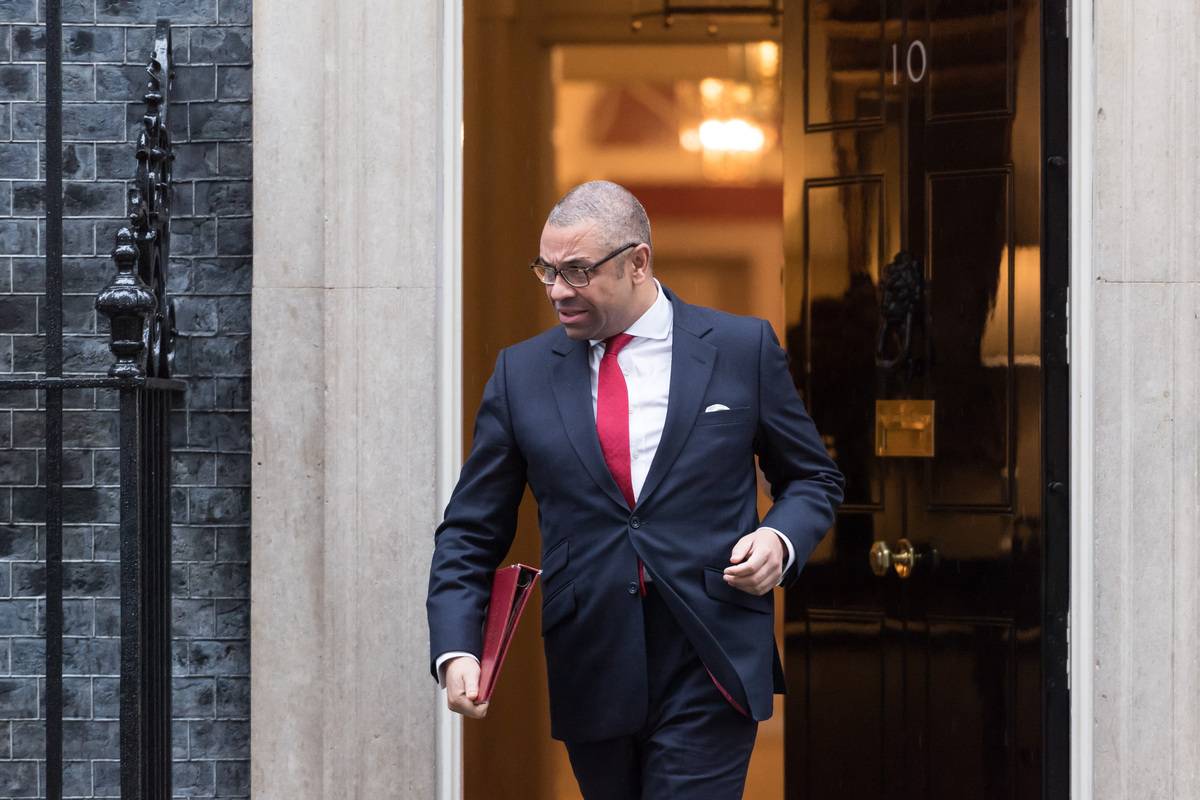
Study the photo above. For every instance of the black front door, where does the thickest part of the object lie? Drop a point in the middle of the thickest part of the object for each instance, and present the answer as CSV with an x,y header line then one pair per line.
x,y
914,299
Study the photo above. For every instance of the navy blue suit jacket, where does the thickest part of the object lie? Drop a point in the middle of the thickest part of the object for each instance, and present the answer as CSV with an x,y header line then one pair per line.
x,y
535,425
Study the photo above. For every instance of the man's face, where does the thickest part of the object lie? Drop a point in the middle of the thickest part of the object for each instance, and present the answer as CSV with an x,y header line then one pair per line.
x,y
605,306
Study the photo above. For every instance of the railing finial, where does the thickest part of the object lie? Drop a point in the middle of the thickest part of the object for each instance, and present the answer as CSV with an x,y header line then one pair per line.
x,y
129,305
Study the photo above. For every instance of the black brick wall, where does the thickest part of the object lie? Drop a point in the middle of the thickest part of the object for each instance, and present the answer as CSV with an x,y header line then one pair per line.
x,y
106,45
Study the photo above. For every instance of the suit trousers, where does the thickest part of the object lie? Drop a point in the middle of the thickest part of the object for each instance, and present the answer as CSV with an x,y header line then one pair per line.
x,y
693,744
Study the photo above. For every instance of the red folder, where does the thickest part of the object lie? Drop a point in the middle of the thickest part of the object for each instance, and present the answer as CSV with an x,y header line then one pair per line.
x,y
511,588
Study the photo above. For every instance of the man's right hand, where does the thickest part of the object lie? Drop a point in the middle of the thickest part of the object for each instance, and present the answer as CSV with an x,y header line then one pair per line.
x,y
462,687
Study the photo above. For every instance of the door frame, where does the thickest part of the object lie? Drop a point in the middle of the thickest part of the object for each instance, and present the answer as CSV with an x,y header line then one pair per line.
x,y
1070,745
1059,453
1082,615
448,359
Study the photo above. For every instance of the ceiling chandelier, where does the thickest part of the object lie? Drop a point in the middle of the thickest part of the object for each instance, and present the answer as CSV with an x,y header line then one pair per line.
x,y
735,122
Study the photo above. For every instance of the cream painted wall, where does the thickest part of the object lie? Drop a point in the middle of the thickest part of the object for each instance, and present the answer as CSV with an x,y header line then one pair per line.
x,y
1146,188
348,143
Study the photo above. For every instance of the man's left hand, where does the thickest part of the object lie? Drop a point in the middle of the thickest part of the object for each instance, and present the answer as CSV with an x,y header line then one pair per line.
x,y
758,562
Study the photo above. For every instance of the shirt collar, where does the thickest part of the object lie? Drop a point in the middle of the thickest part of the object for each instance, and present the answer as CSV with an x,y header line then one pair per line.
x,y
655,323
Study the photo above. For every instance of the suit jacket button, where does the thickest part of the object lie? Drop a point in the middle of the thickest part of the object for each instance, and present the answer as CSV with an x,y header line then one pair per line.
x,y
635,522
633,587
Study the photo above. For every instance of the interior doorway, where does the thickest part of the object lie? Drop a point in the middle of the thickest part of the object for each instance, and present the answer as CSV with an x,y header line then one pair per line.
x,y
792,172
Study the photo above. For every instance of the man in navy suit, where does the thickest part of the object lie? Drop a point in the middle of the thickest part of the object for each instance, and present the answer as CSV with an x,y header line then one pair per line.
x,y
636,423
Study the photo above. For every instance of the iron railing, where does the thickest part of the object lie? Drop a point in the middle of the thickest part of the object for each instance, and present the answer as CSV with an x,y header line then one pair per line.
x,y
142,323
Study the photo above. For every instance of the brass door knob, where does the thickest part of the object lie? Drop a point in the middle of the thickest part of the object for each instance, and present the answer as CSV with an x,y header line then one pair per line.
x,y
903,559
881,558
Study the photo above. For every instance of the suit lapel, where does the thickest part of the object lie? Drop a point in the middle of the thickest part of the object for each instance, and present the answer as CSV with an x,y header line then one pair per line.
x,y
692,361
572,382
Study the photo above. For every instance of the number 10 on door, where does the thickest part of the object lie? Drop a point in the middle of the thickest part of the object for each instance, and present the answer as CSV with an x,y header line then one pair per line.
x,y
914,47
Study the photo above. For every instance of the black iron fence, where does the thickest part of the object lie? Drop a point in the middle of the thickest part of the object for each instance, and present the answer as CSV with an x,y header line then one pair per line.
x,y
142,322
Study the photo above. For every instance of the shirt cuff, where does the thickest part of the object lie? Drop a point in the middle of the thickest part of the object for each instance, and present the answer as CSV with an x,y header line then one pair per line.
x,y
791,551
443,658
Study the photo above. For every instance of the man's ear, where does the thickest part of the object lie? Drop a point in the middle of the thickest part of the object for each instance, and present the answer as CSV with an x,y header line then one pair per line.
x,y
640,263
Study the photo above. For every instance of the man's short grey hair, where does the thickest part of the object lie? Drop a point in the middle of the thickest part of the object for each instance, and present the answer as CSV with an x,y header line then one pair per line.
x,y
617,213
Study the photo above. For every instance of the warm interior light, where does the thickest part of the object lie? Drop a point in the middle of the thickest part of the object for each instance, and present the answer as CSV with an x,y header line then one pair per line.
x,y
689,139
768,59
711,89
730,136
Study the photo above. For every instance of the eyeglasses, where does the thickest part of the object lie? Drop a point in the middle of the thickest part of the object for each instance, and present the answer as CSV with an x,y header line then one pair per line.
x,y
575,273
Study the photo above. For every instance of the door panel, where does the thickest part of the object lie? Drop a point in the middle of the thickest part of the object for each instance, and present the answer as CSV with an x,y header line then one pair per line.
x,y
912,136
970,682
845,258
845,648
973,69
845,38
970,243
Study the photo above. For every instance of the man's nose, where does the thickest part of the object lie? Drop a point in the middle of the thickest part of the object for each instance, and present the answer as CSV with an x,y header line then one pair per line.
x,y
560,289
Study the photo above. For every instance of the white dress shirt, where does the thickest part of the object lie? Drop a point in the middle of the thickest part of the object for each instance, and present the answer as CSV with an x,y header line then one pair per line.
x,y
646,364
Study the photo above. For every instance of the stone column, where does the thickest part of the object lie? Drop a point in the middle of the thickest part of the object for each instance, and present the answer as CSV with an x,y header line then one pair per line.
x,y
347,158
1147,400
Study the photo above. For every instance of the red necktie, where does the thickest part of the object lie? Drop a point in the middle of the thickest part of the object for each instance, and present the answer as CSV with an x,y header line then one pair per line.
x,y
612,424
612,415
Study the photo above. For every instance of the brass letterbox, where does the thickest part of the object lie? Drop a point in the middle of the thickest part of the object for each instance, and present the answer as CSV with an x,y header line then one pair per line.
x,y
904,428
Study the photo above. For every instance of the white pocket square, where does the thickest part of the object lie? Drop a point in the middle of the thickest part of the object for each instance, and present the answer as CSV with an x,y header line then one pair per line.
x,y
716,407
